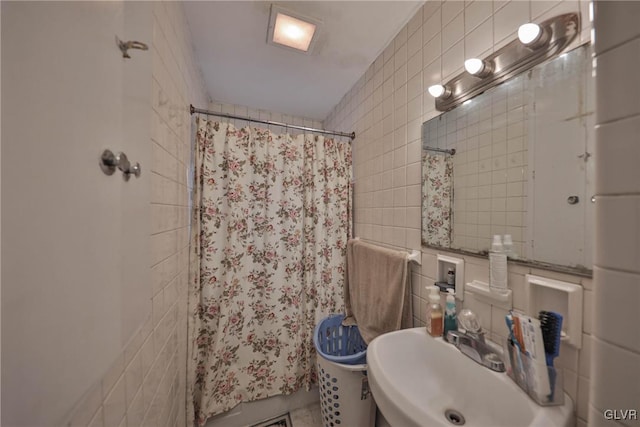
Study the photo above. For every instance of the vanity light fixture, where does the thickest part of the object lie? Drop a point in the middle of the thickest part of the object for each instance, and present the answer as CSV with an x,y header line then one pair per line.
x,y
291,30
439,91
535,43
532,35
477,67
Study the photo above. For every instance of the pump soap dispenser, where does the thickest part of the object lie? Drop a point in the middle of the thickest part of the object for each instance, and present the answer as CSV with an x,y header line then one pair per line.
x,y
434,312
450,321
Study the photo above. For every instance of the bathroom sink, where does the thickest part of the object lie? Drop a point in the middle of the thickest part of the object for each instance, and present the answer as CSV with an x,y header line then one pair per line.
x,y
415,379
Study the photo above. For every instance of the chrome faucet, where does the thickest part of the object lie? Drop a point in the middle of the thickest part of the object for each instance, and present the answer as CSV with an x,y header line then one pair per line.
x,y
473,345
470,341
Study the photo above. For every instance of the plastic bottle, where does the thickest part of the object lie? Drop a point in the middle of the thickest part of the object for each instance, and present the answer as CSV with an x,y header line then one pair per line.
x,y
507,245
497,266
434,312
450,321
451,277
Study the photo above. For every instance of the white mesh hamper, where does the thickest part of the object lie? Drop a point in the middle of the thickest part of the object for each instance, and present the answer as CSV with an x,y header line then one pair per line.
x,y
345,399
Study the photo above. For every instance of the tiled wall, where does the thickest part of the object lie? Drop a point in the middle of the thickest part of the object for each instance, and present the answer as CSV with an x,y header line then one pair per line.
x,y
386,108
616,341
146,384
244,111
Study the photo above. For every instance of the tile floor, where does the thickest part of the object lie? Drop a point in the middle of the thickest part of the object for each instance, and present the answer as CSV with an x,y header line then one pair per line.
x,y
307,416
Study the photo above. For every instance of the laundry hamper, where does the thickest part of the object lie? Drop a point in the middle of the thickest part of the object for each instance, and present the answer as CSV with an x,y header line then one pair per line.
x,y
345,399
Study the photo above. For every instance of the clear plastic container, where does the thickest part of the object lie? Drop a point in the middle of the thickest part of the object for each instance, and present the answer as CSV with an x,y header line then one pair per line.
x,y
528,374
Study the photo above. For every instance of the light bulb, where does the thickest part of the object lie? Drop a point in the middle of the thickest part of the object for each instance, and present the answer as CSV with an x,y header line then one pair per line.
x,y
439,91
478,67
529,33
473,66
293,31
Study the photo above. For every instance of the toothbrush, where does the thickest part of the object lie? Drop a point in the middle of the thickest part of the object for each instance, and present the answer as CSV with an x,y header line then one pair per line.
x,y
551,325
518,372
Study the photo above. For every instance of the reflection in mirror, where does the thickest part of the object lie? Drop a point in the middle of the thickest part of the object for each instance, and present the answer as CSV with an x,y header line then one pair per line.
x,y
523,166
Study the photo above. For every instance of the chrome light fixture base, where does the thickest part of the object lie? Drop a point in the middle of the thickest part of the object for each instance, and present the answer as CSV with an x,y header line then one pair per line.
x,y
512,59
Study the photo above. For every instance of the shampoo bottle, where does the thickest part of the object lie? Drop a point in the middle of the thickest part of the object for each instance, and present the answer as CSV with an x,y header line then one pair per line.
x,y
450,320
434,312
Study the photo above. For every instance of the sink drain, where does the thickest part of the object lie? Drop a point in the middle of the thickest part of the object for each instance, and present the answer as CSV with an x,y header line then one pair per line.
x,y
454,417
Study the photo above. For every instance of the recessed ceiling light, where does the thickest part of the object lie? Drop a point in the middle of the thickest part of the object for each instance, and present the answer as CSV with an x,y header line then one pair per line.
x,y
291,30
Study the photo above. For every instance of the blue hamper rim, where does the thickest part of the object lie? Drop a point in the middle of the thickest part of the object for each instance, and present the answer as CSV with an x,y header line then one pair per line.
x,y
335,320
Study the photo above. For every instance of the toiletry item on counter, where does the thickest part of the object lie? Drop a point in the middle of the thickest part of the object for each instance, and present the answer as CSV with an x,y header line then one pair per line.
x,y
551,325
434,312
529,366
507,245
450,321
498,266
451,277
515,351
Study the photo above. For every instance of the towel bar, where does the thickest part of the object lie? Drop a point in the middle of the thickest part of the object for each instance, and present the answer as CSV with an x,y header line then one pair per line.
x,y
415,255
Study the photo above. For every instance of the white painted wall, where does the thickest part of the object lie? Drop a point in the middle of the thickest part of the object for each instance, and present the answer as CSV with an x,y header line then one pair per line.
x,y
76,242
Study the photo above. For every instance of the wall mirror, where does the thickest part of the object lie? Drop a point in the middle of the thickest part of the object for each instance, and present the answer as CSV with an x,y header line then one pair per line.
x,y
523,166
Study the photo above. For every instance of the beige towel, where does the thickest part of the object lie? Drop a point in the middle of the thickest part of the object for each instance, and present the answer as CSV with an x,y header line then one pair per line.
x,y
376,295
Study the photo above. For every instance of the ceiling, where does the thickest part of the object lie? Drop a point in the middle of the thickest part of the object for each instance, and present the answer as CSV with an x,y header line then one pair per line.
x,y
239,67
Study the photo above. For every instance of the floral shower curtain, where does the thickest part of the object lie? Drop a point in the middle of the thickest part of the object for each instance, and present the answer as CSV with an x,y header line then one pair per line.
x,y
270,227
437,199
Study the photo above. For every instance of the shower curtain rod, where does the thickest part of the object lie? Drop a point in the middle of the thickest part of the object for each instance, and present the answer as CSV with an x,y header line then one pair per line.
x,y
451,151
193,110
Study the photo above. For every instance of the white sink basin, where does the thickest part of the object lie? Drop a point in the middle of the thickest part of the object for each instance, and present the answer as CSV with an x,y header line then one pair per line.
x,y
415,378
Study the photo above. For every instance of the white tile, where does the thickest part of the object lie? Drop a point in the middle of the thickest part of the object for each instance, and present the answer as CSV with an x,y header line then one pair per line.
x,y
414,89
476,13
414,65
414,43
453,32
619,241
431,27
616,376
450,9
415,23
617,295
584,364
539,7
430,8
622,99
432,74
618,154
617,22
507,20
479,42
498,323
400,58
570,379
400,39
432,50
453,61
